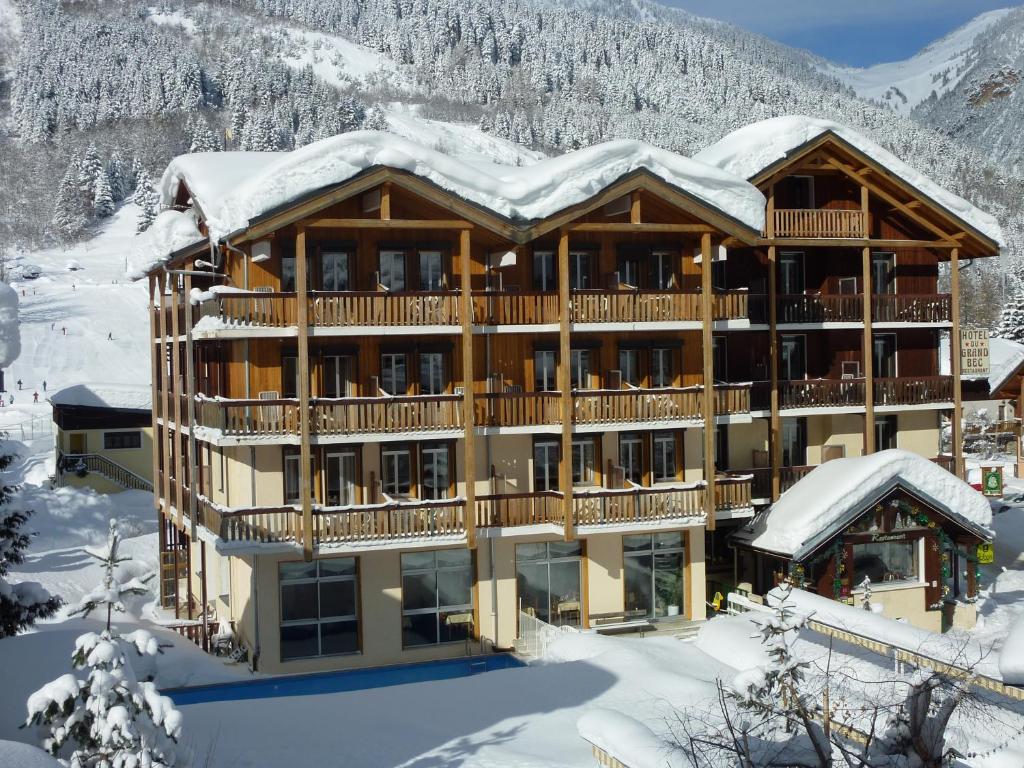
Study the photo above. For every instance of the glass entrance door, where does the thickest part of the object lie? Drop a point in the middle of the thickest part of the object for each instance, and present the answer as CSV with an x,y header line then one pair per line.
x,y
548,581
653,568
340,479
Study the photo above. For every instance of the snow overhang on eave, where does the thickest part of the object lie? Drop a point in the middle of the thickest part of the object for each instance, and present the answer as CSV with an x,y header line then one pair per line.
x,y
173,259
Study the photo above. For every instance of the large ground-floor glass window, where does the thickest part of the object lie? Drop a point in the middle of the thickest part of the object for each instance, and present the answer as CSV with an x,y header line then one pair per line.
x,y
437,597
885,561
319,615
548,579
653,566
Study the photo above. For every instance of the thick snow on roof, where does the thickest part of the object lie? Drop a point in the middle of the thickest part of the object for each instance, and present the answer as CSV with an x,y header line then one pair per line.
x,y
170,231
751,149
822,501
120,396
233,188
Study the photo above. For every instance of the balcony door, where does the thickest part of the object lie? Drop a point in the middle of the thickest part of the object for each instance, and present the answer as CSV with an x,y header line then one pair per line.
x,y
394,373
885,433
794,357
545,274
794,442
436,478
631,457
396,470
720,358
791,273
334,271
431,271
340,478
580,278
883,273
544,371
392,270
663,267
802,190
884,355
545,465
338,375
653,574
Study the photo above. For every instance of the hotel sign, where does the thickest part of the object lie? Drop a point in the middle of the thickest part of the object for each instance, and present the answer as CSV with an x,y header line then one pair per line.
x,y
974,352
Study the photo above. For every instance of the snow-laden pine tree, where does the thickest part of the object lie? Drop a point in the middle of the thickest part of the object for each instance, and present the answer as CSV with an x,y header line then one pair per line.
x,y
119,174
20,604
105,717
1011,319
375,120
148,201
69,217
103,197
89,171
201,138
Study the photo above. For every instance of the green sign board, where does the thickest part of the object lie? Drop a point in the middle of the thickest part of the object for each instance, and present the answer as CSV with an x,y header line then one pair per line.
x,y
992,481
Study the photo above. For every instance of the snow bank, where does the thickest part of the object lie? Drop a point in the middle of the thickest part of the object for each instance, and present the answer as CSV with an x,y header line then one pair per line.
x,y
263,182
119,396
10,332
734,641
1011,656
170,231
16,755
822,501
752,148
628,740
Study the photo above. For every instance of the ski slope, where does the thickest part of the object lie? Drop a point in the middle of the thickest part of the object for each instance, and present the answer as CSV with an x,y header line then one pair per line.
x,y
902,85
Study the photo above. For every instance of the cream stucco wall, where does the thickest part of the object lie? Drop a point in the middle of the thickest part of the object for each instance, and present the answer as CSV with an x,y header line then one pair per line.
x,y
137,460
903,603
844,429
693,455
918,432
512,458
744,440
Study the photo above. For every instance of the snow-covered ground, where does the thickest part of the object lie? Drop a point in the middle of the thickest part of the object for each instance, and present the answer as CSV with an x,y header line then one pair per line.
x,y
902,85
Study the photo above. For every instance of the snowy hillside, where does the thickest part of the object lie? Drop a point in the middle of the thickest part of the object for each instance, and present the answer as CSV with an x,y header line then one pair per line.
x,y
902,85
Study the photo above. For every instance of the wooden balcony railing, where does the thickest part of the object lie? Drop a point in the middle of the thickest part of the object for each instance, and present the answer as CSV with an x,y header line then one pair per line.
x,y
249,418
733,492
732,399
261,310
821,308
372,415
946,462
731,305
381,308
617,406
514,308
905,308
517,409
819,222
510,510
913,390
821,393
638,505
634,306
760,481
790,476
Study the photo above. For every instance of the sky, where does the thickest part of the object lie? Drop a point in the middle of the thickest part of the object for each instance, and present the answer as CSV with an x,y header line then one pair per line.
x,y
858,33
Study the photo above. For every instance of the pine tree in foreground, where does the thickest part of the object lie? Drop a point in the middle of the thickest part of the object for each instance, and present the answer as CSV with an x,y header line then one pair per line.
x,y
20,604
109,719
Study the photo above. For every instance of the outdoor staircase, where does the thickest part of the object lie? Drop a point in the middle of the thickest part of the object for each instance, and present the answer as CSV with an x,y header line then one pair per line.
x,y
101,465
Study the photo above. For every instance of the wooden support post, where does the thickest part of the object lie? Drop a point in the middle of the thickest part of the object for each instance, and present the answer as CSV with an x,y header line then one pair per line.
x,y
869,357
155,348
385,200
192,459
303,365
466,311
634,208
956,433
165,438
707,343
177,383
775,421
565,383
203,596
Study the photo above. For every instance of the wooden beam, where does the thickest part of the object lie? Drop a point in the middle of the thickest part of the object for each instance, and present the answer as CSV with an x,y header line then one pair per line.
x,y
868,342
175,389
469,443
155,349
634,208
775,420
305,479
388,223
385,200
956,433
165,400
707,314
190,399
565,384
609,226
850,242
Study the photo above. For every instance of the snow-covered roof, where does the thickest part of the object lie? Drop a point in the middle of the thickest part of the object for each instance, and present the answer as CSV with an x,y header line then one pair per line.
x,y
125,397
753,148
827,499
233,188
170,232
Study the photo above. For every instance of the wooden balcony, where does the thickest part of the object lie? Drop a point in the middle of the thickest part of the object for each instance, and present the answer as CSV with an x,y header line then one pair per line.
x,y
790,476
515,308
820,223
629,406
733,492
249,418
732,399
760,481
731,305
253,310
907,308
821,393
517,409
820,308
380,308
913,390
634,306
638,505
511,510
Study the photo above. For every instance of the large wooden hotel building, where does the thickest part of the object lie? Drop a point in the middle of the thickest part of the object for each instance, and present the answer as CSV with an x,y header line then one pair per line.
x,y
399,400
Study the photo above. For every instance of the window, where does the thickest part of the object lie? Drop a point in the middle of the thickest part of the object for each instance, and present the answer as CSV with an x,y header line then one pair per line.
x,y
115,441
794,442
629,271
885,433
290,375
396,470
545,277
544,371
631,457
340,478
579,371
435,477
337,375
791,274
665,466
661,367
393,373
579,270
802,189
629,366
287,273
319,608
884,355
392,270
437,597
548,581
885,561
292,479
794,357
662,269
545,465
334,266
653,575
883,273
719,279
584,452
432,379
431,271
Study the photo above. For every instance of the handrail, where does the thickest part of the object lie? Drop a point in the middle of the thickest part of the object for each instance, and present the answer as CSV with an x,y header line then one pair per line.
x,y
110,469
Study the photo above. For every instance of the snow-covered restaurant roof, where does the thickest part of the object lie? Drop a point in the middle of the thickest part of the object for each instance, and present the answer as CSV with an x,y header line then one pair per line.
x,y
234,188
122,397
822,503
753,148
